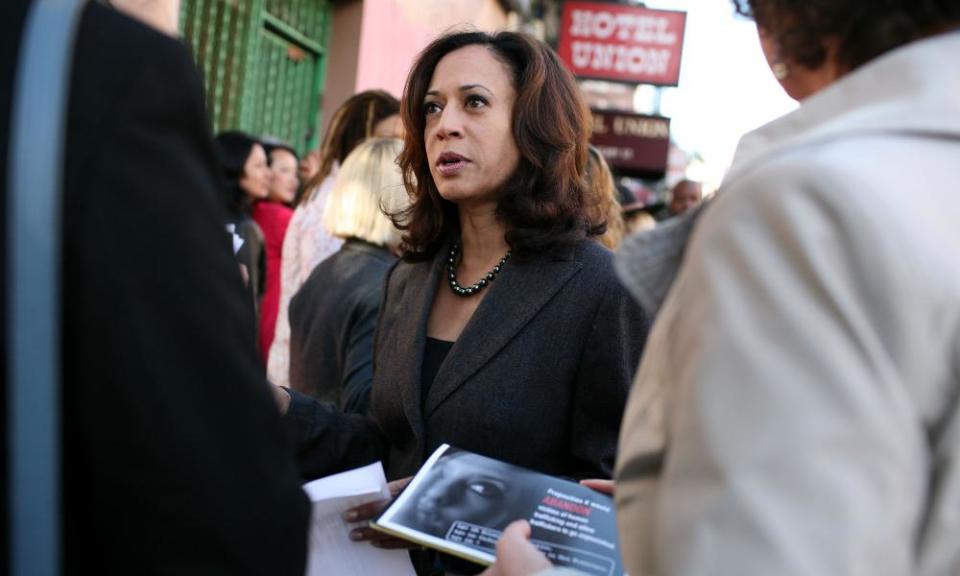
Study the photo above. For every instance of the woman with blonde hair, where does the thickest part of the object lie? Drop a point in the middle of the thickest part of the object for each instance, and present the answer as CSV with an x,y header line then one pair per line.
x,y
333,316
372,113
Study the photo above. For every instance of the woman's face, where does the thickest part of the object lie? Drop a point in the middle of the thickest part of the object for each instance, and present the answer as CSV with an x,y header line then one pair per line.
x,y
468,132
284,183
310,165
256,174
469,489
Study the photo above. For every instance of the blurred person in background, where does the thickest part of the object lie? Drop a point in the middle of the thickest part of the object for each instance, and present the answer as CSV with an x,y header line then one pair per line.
x,y
601,200
798,407
638,220
307,168
284,167
334,315
684,195
635,214
243,163
273,216
373,113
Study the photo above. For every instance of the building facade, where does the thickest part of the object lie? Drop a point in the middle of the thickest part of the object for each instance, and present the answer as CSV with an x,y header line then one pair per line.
x,y
282,67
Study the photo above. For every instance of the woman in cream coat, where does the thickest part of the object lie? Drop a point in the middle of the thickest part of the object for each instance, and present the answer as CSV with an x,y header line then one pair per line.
x,y
797,410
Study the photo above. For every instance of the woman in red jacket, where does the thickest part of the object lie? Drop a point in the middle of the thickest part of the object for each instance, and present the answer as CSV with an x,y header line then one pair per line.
x,y
273,216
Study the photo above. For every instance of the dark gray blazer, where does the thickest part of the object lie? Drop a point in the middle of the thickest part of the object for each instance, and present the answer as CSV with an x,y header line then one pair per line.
x,y
332,321
539,377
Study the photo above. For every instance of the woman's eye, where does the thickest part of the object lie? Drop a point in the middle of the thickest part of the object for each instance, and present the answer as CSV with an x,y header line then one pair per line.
x,y
475,101
431,108
487,489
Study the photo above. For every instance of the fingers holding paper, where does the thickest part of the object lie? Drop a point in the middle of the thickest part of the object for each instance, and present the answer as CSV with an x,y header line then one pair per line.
x,y
600,485
366,512
371,510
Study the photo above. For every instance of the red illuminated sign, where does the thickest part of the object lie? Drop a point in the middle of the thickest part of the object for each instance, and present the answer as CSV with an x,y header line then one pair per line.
x,y
622,43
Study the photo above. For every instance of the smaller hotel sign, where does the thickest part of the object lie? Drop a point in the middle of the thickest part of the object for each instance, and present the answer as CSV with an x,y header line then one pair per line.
x,y
632,143
622,43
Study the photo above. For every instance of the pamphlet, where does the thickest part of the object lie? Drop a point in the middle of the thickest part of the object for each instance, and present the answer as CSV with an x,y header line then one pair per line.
x,y
460,503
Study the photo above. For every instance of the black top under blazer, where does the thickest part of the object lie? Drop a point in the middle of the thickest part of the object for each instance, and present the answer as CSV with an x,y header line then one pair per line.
x,y
539,376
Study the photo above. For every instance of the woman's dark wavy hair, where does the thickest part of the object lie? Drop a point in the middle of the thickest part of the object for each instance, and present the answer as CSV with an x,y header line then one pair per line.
x,y
865,28
352,123
233,148
542,202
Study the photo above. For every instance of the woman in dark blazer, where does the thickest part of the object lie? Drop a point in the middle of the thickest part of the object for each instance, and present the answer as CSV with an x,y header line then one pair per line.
x,y
503,330
334,315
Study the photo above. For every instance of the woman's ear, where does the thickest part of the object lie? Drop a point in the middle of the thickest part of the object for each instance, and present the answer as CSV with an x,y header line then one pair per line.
x,y
797,80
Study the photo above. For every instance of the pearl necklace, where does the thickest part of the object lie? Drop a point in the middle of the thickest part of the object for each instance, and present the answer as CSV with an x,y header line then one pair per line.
x,y
470,290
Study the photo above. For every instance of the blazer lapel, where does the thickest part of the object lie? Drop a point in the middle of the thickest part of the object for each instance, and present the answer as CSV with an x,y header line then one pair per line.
x,y
514,299
415,303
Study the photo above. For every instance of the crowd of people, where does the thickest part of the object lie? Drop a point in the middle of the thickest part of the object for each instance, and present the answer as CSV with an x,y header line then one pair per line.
x,y
767,382
286,224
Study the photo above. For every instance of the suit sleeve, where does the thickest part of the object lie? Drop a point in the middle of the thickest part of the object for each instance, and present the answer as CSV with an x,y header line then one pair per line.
x,y
358,360
328,440
332,439
792,443
609,361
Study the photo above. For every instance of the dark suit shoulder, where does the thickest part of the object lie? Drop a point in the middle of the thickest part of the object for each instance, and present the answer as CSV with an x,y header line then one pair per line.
x,y
352,263
597,261
121,66
120,40
136,96
374,269
590,251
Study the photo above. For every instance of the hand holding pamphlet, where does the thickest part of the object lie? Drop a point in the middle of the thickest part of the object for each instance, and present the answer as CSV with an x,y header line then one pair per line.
x,y
460,502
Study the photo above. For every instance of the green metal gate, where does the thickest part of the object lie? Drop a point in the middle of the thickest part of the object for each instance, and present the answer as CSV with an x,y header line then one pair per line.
x,y
263,63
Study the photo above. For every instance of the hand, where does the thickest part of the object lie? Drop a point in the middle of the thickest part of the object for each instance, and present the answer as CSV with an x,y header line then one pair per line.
x,y
516,556
600,485
366,512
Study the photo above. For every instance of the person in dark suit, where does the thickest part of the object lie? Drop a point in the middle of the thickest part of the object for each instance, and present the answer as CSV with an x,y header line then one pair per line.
x,y
504,330
334,315
174,459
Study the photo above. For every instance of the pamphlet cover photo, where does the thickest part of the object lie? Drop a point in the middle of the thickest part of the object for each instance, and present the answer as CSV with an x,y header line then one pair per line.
x,y
460,503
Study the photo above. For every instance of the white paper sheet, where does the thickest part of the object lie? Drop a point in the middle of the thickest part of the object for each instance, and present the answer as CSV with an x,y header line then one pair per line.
x,y
332,553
